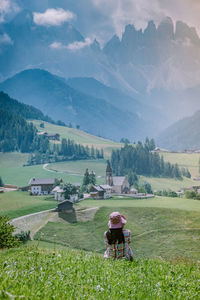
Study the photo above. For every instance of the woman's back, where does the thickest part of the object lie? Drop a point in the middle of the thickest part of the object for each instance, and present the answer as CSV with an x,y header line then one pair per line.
x,y
116,249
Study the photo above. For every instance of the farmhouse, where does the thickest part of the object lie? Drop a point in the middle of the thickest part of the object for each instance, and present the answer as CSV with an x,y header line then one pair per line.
x,y
97,192
41,186
59,194
53,136
50,136
119,184
101,191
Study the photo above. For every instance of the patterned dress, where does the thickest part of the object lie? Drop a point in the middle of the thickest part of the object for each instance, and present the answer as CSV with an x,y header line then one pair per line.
x,y
118,251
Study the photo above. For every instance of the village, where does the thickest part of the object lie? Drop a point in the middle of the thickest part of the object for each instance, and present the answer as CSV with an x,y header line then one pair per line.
x,y
114,185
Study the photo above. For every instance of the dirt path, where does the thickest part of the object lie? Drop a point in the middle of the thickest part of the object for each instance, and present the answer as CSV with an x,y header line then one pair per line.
x,y
61,172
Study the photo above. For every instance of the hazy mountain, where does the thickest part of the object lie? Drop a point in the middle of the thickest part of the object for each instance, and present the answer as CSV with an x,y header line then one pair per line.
x,y
184,134
156,71
55,97
121,100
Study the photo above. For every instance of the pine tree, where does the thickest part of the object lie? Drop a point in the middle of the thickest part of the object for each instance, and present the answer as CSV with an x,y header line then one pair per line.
x,y
92,178
86,178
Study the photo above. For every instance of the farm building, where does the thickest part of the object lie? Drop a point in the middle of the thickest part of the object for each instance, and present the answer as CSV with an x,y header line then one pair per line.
x,y
50,136
97,192
41,186
100,191
58,193
65,206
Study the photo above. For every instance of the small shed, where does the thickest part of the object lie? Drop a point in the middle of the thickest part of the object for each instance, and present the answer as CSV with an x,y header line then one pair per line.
x,y
65,206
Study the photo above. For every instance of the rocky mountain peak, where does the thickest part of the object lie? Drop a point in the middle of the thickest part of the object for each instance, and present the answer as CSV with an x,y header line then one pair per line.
x,y
165,29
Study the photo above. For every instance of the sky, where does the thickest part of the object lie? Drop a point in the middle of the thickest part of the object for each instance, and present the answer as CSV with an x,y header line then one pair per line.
x,y
103,18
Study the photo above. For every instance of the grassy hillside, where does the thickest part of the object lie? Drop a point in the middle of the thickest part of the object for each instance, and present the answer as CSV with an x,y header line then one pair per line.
x,y
168,183
156,232
13,172
78,275
79,136
16,204
159,202
187,160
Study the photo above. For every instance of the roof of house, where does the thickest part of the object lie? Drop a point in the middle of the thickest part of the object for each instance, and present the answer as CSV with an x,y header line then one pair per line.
x,y
98,188
105,186
58,189
39,181
133,190
118,180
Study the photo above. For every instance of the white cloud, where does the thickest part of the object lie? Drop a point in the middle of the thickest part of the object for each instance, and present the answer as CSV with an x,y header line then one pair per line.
x,y
139,12
77,45
53,17
6,7
5,39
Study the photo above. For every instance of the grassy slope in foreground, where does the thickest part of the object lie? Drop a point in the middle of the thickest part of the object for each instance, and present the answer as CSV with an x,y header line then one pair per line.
x,y
156,232
79,136
16,204
79,275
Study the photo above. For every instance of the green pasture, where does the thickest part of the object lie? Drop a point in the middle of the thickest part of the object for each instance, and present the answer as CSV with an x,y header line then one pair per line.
x,y
13,172
156,202
35,273
168,183
79,136
187,160
156,232
16,204
78,167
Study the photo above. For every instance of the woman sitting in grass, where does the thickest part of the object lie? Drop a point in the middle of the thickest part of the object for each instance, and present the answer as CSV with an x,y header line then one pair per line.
x,y
117,239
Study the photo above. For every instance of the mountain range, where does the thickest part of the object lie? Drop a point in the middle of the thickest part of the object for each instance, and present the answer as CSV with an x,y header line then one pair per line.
x,y
147,78
56,98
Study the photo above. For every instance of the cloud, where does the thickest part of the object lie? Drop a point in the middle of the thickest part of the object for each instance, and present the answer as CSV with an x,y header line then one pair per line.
x,y
123,12
77,45
53,17
5,39
6,7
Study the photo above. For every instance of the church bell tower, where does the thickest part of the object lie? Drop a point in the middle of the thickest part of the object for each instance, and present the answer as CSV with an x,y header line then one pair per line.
x,y
109,179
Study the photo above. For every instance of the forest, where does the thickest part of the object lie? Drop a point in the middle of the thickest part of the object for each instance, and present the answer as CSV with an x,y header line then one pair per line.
x,y
142,160
16,134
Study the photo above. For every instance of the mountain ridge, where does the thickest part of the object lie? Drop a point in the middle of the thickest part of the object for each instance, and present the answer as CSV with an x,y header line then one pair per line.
x,y
53,96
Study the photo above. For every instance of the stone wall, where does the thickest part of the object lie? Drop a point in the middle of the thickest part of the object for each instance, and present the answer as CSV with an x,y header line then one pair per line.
x,y
32,221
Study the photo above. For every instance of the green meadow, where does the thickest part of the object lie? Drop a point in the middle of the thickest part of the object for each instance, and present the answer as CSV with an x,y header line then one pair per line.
x,y
36,273
156,232
187,160
79,136
16,204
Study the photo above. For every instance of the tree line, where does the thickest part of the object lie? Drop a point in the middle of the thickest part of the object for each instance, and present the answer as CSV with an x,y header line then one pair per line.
x,y
68,150
141,160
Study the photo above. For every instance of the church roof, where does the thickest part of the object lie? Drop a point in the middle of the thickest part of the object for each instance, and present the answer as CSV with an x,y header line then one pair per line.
x,y
118,180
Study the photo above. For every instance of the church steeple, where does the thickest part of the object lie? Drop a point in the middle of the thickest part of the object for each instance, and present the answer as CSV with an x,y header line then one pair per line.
x,y
109,179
